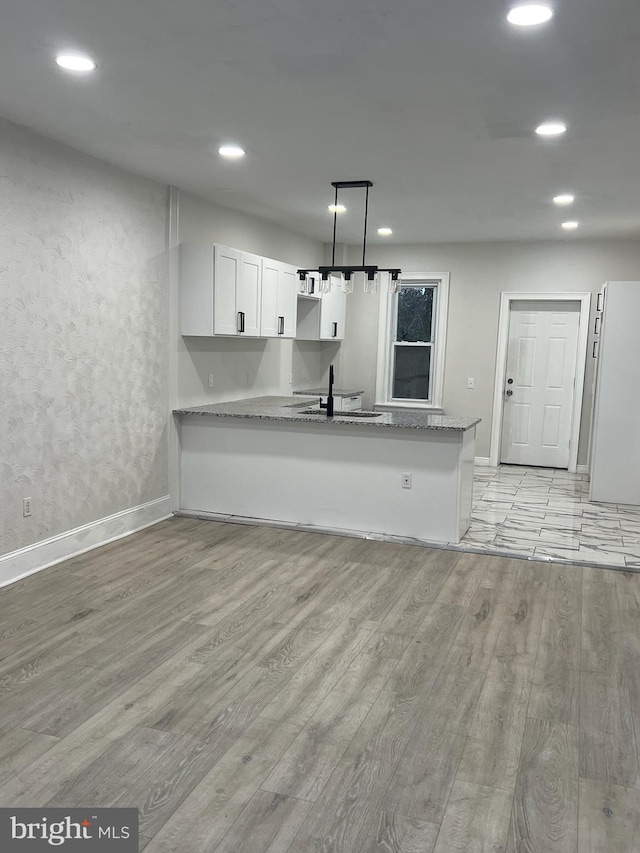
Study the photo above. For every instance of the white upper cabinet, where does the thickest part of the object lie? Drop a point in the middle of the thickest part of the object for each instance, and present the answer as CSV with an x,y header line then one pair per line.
x,y
225,290
220,291
323,319
196,289
333,312
288,299
279,300
248,295
269,321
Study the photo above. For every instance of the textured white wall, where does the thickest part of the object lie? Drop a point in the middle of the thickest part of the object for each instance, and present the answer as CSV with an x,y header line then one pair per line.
x,y
83,341
269,362
480,272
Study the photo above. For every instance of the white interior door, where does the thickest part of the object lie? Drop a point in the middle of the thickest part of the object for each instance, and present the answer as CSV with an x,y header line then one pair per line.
x,y
539,383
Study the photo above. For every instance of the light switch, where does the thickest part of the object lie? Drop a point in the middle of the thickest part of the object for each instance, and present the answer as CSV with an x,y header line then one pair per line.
x,y
471,382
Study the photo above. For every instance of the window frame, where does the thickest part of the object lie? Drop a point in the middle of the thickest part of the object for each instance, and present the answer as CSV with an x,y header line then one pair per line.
x,y
386,342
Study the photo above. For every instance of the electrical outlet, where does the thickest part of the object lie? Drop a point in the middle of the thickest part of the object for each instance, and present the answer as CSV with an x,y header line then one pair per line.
x,y
471,383
26,507
211,380
406,481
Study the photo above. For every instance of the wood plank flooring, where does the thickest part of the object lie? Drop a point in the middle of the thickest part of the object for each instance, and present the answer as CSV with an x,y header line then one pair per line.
x,y
253,690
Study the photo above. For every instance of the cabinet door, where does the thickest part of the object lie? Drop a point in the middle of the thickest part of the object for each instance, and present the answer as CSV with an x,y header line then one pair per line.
x,y
248,295
339,312
332,313
326,314
226,278
287,306
270,295
196,289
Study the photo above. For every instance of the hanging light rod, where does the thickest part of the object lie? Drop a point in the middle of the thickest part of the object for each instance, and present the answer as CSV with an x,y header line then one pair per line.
x,y
346,271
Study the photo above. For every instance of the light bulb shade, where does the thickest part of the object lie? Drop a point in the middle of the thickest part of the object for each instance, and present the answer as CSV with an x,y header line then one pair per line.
x,y
371,283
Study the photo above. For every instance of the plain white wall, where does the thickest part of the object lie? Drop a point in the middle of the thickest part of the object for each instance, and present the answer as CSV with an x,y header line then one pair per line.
x,y
480,272
243,367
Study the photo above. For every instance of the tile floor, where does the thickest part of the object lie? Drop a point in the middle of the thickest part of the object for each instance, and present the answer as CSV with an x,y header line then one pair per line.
x,y
545,513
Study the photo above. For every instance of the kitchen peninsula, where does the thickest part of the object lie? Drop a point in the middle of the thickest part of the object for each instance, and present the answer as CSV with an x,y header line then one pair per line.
x,y
395,474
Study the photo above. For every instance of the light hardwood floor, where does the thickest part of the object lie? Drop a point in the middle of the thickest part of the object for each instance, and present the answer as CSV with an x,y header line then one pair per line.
x,y
254,690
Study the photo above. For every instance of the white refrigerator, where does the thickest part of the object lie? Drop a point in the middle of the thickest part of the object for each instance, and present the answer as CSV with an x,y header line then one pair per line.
x,y
615,423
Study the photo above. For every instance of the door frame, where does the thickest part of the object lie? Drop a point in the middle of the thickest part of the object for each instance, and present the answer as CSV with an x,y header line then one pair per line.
x,y
506,298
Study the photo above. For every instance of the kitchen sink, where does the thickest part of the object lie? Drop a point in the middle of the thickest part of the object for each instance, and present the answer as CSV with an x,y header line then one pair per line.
x,y
341,414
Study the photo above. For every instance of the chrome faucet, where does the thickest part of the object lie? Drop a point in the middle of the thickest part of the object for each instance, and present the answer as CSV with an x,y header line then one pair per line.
x,y
329,404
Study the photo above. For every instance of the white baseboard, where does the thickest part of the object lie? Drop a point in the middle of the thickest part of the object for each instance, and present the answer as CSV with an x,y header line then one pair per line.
x,y
582,469
482,461
26,561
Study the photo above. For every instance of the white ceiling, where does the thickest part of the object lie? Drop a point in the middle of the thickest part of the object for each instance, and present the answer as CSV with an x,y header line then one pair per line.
x,y
435,102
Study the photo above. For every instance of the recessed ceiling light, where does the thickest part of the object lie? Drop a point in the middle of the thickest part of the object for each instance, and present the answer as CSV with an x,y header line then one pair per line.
x,y
337,208
75,62
530,14
385,232
231,152
564,199
551,128
570,226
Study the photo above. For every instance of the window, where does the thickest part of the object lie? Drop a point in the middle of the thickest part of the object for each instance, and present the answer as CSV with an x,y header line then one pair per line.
x,y
411,342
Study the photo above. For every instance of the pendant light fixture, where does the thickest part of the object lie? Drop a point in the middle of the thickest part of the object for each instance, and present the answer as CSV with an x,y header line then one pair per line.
x,y
346,272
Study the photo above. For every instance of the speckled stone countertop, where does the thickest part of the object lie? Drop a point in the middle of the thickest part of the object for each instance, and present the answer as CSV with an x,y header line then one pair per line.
x,y
288,409
323,392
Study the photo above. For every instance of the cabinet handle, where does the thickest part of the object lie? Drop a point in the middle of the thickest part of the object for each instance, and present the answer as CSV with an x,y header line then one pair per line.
x,y
281,325
599,302
334,334
596,326
240,325
594,352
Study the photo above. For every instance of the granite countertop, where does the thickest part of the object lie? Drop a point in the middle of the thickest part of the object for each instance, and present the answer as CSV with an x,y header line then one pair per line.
x,y
323,392
288,409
